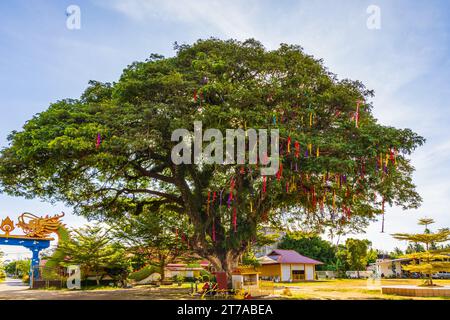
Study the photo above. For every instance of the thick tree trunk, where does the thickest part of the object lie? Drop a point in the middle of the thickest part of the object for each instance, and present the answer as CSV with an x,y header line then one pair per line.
x,y
226,261
162,265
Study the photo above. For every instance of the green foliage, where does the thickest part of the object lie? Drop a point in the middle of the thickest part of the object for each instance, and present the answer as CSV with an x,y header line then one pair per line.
x,y
312,246
54,156
154,237
249,259
205,275
372,255
429,261
19,268
355,254
92,248
10,267
179,278
2,268
414,247
26,278
397,253
144,273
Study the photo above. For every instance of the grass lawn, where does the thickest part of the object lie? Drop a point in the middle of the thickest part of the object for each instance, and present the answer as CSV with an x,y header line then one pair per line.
x,y
349,289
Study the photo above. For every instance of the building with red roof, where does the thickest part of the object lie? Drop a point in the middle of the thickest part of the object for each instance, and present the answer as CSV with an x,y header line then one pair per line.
x,y
287,266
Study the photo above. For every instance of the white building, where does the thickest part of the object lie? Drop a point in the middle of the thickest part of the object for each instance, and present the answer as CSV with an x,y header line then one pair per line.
x,y
388,267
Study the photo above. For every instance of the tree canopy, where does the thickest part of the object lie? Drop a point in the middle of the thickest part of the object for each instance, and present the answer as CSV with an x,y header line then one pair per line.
x,y
108,153
312,246
93,249
157,238
355,254
429,261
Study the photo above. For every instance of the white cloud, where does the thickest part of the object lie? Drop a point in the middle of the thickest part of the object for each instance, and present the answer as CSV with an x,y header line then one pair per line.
x,y
230,18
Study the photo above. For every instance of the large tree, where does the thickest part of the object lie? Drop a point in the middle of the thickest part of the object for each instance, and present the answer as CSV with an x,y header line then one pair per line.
x,y
93,248
430,260
312,246
109,152
355,254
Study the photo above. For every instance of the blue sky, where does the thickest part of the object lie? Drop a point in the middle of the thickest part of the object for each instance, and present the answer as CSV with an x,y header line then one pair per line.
x,y
406,62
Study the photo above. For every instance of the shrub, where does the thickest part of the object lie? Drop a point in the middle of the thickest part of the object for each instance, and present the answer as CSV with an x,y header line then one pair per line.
x,y
190,279
25,278
205,276
178,278
143,273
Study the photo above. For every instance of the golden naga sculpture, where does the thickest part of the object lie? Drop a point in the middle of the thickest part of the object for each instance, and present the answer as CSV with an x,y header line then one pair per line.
x,y
38,227
7,226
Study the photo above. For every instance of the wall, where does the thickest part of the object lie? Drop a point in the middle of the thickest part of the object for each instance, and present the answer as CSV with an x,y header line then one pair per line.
x,y
385,268
273,270
285,272
309,273
269,270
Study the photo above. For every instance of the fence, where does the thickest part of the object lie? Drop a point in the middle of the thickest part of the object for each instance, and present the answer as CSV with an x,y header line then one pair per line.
x,y
359,274
47,277
323,275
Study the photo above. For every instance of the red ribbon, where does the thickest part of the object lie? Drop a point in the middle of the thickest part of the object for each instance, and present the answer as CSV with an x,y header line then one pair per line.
x,y
297,149
99,141
289,145
235,219
232,184
280,172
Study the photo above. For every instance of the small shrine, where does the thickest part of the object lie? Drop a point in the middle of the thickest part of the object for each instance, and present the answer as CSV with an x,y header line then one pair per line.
x,y
246,278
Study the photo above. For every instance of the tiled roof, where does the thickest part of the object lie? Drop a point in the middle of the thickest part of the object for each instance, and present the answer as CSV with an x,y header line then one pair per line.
x,y
288,256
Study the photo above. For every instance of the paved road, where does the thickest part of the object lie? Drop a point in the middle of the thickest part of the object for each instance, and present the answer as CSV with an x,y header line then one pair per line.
x,y
12,285
13,289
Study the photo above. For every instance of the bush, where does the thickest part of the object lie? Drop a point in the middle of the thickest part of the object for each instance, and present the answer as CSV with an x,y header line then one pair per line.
x,y
26,278
205,276
178,278
143,273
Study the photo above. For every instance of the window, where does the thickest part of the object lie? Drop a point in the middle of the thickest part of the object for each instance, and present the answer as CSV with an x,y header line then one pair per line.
x,y
298,275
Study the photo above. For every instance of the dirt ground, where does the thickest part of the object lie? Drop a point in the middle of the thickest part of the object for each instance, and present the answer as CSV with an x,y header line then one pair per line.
x,y
13,289
323,290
